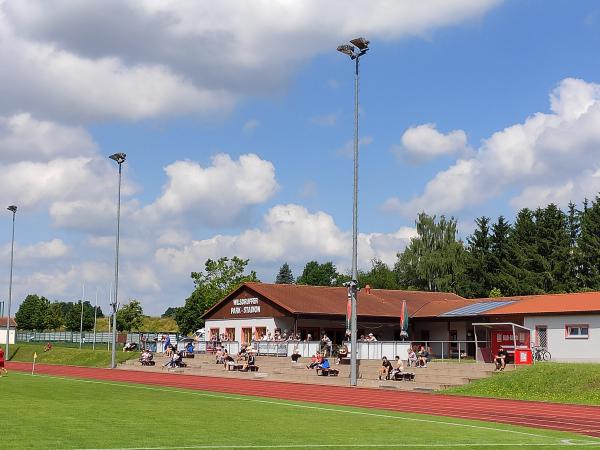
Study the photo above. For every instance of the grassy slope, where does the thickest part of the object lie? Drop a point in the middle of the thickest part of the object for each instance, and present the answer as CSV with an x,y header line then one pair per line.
x,y
151,324
68,355
48,412
553,382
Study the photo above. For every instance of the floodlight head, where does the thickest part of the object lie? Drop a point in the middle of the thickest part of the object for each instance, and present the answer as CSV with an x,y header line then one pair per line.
x,y
118,157
361,43
12,208
346,49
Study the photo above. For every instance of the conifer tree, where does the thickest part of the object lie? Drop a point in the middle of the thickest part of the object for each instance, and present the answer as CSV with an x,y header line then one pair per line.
x,y
285,276
589,245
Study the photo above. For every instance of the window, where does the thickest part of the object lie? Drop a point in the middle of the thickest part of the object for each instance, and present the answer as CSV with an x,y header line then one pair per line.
x,y
577,331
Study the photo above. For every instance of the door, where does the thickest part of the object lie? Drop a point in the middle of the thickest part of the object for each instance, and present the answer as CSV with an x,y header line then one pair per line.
x,y
230,334
541,337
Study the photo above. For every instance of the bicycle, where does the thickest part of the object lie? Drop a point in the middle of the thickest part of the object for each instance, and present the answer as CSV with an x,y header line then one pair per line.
x,y
540,353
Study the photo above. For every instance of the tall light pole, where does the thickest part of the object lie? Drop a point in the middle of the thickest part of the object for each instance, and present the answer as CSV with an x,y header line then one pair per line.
x,y
357,48
13,209
120,159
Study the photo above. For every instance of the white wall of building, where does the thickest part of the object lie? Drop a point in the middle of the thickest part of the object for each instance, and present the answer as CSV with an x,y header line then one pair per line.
x,y
269,323
3,336
564,348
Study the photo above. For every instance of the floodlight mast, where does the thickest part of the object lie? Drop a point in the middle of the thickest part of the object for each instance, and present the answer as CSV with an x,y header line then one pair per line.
x,y
13,210
119,158
359,48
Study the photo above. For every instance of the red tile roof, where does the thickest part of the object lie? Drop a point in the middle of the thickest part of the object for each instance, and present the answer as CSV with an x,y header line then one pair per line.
x,y
583,302
3,323
302,299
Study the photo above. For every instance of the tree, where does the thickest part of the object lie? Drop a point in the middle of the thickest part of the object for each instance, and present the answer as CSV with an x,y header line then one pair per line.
x,y
220,278
285,275
501,269
478,260
315,274
589,245
435,259
54,317
32,313
379,277
130,316
73,316
170,312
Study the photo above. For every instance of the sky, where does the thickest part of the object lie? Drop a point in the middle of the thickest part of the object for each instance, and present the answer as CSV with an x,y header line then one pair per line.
x,y
237,122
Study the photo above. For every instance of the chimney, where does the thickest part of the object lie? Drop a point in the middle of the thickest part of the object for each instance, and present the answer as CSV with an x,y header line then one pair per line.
x,y
367,289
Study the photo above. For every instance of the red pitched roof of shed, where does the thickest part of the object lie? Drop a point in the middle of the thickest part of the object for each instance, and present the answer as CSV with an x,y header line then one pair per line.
x,y
3,322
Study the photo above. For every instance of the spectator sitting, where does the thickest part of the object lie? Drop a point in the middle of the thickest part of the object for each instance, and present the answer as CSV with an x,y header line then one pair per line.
x,y
308,337
190,347
324,364
362,337
219,356
174,360
315,361
48,347
412,357
371,338
296,355
242,353
423,357
398,369
385,369
227,358
500,359
250,362
342,353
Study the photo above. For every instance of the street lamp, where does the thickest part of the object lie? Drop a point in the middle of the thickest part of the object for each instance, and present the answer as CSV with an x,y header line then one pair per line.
x,y
119,158
13,209
357,48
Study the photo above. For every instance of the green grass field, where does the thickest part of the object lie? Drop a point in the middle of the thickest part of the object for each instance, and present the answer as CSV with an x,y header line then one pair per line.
x,y
73,356
57,413
550,382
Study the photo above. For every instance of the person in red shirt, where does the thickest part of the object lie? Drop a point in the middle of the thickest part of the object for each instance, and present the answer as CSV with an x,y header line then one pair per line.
x,y
2,369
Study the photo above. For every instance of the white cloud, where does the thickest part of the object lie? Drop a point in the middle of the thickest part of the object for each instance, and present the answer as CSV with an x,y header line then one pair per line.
x,y
425,142
550,157
216,194
40,252
289,233
137,59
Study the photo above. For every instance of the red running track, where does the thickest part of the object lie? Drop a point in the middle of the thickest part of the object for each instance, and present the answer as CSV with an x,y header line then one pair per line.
x,y
572,418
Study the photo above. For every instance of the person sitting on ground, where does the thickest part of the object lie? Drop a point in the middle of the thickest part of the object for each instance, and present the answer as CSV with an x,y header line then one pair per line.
x,y
412,357
324,364
48,347
385,369
500,359
398,368
250,362
296,355
315,361
423,357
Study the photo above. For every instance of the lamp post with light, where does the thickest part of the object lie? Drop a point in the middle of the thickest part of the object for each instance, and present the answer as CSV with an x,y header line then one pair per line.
x,y
357,48
13,209
119,158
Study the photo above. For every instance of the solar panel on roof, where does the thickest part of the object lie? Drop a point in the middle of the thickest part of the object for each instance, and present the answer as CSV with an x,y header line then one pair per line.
x,y
474,309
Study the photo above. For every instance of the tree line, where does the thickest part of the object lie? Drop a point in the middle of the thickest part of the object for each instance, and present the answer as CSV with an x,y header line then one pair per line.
x,y
38,313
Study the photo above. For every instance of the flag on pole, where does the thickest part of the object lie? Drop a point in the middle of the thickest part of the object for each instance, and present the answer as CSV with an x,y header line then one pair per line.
x,y
348,314
404,320
33,366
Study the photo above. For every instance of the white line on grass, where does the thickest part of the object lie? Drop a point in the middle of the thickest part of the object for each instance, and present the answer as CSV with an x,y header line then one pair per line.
x,y
317,408
557,444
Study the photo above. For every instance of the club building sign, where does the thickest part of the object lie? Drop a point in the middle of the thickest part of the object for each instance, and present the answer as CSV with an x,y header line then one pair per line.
x,y
245,306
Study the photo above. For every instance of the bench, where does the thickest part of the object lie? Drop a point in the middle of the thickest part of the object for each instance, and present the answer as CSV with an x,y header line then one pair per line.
x,y
233,366
345,360
328,372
